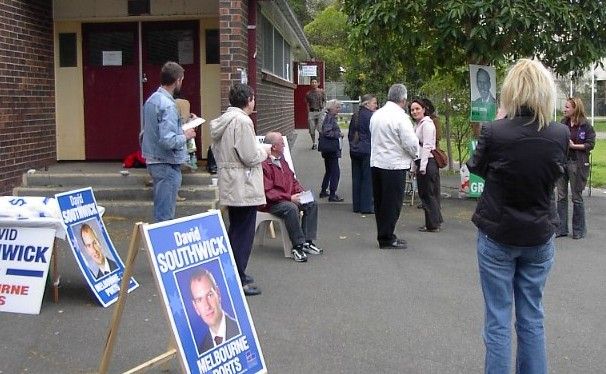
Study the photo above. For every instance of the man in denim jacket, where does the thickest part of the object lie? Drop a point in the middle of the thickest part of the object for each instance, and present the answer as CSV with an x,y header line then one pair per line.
x,y
163,141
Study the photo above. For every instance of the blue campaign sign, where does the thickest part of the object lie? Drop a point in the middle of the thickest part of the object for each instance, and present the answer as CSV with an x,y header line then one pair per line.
x,y
195,270
95,253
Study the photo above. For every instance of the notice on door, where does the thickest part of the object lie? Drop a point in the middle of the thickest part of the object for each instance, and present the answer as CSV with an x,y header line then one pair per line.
x,y
112,58
186,52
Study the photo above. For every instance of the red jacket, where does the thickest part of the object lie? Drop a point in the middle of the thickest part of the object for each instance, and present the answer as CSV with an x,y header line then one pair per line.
x,y
280,183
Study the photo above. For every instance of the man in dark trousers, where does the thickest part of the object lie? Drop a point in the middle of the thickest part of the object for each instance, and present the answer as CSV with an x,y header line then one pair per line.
x,y
283,193
394,146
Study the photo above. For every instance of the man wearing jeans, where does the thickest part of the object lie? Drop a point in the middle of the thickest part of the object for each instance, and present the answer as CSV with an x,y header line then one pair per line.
x,y
163,141
283,195
315,100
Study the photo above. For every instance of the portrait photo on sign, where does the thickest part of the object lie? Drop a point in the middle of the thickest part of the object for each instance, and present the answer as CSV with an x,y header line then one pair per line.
x,y
94,249
483,87
208,305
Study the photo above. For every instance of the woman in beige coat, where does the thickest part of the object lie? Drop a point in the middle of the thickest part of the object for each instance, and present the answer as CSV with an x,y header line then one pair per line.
x,y
239,156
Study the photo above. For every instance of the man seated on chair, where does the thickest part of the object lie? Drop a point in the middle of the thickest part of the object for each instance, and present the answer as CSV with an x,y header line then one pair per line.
x,y
283,195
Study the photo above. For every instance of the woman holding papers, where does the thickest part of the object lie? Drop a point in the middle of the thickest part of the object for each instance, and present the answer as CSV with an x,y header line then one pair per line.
x,y
239,156
286,198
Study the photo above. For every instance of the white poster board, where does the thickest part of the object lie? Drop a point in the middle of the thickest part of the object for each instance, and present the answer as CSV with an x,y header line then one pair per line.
x,y
25,255
112,58
287,156
309,70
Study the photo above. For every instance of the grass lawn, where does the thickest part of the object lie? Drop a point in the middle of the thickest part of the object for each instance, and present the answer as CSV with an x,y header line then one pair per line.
x,y
600,125
598,168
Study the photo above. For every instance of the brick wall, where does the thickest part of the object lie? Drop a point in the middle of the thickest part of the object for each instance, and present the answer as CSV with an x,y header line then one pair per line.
x,y
275,108
233,44
274,96
27,96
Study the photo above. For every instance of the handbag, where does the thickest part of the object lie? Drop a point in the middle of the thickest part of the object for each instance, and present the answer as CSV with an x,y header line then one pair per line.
x,y
440,157
327,145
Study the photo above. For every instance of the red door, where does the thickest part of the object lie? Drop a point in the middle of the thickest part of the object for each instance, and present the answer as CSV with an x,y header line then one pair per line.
x,y
112,79
303,72
178,42
111,90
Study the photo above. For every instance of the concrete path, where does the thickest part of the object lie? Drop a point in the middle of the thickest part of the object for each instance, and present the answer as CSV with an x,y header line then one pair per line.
x,y
355,309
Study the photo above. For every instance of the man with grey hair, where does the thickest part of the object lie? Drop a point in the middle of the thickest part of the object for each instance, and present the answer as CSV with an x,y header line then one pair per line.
x,y
394,146
283,193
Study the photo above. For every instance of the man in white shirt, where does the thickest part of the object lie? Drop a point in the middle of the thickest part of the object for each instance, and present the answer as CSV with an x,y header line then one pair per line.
x,y
394,146
206,299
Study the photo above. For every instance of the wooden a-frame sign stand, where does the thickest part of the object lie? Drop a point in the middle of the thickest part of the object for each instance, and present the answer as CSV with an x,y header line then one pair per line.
x,y
112,332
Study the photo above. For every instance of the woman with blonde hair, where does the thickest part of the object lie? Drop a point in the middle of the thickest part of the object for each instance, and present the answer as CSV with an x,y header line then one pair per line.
x,y
582,141
520,157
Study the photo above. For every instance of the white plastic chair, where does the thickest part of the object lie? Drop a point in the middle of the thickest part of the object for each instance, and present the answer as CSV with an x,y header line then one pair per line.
x,y
264,220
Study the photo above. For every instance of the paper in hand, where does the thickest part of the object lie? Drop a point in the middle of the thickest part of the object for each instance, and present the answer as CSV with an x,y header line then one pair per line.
x,y
193,123
306,197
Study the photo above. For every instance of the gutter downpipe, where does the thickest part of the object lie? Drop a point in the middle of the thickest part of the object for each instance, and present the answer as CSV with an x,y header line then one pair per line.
x,y
252,51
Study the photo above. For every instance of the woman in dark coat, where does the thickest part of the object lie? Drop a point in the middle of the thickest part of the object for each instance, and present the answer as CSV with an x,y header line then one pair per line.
x,y
359,152
520,158
332,135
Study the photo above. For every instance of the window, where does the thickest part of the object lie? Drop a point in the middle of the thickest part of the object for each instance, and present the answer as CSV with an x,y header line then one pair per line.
x,y
170,45
212,46
276,51
67,50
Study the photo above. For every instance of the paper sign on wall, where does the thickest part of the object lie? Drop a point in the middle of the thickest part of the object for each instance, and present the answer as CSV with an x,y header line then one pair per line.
x,y
112,58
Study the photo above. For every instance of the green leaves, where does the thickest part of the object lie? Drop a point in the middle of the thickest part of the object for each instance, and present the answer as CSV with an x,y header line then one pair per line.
x,y
567,35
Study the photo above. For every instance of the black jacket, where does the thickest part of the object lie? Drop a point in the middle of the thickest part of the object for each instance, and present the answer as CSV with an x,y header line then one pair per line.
x,y
520,166
360,122
585,134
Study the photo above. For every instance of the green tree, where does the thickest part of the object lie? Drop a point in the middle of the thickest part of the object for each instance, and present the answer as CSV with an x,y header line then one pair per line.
x,y
452,104
327,34
566,35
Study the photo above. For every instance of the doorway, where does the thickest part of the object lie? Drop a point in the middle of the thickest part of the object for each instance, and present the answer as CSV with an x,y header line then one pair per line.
x,y
122,69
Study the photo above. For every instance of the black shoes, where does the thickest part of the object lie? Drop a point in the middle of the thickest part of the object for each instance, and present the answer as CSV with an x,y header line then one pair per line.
x,y
323,194
297,253
425,229
250,290
247,279
396,244
335,199
314,146
558,235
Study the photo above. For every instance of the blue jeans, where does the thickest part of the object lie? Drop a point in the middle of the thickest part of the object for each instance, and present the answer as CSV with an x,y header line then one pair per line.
x,y
361,183
167,181
509,273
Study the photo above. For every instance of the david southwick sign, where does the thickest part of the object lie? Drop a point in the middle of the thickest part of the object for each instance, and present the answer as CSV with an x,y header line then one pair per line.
x,y
196,273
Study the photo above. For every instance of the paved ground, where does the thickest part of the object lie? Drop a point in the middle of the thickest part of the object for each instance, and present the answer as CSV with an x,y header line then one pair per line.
x,y
355,309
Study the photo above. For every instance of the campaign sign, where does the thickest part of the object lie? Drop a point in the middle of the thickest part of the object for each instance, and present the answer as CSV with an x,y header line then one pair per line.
x,y
196,273
476,183
25,255
95,254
